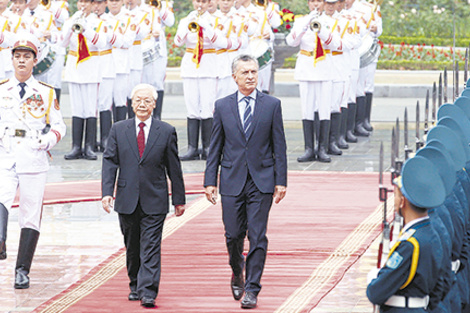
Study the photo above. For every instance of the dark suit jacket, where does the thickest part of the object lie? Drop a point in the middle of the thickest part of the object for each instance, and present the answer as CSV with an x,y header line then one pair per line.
x,y
263,154
145,179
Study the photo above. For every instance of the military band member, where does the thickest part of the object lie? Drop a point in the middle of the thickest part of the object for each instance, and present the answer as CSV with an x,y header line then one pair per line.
x,y
30,125
141,20
6,40
315,75
412,269
84,34
199,73
121,57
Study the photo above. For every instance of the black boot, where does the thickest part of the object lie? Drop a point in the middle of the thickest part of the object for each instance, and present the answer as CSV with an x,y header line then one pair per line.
x,y
350,137
157,112
206,129
28,242
130,110
316,132
359,129
309,155
3,231
57,94
77,137
90,138
367,124
342,144
193,141
322,156
334,134
105,127
121,113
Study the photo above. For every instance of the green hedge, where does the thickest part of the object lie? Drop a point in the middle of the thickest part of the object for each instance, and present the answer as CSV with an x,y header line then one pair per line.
x,y
440,42
412,65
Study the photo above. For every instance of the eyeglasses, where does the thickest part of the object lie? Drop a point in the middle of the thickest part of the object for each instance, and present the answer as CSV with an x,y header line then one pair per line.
x,y
146,101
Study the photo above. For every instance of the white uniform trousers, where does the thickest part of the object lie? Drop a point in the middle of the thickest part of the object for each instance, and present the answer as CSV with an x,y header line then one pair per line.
x,y
120,90
84,99
353,86
345,98
369,79
337,96
199,96
105,94
31,186
225,86
154,73
315,96
264,78
361,82
135,78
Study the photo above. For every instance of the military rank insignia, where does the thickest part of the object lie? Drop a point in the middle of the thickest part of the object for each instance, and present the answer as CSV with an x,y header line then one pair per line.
x,y
133,27
220,27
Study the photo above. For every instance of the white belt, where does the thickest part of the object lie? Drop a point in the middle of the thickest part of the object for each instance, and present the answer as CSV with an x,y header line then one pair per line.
x,y
455,266
408,302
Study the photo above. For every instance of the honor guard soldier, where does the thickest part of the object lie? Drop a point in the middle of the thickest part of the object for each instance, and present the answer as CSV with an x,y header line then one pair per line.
x,y
155,52
6,41
30,126
121,56
84,34
199,73
412,269
314,73
60,13
141,20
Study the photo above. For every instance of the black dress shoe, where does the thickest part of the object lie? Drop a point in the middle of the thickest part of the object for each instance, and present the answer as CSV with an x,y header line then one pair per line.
x,y
133,296
249,301
237,284
147,302
21,280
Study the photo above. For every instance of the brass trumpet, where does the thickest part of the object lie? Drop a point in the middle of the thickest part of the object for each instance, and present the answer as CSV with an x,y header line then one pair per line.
x,y
46,3
315,25
157,4
194,26
77,26
261,3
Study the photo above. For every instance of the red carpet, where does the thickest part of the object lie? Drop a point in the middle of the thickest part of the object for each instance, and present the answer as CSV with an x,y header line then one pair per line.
x,y
90,190
324,224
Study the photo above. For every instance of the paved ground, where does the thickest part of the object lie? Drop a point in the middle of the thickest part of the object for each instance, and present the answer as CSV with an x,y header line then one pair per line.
x,y
77,237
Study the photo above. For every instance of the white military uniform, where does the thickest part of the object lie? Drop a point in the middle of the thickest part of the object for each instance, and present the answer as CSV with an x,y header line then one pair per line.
x,y
200,81
84,77
53,76
230,25
121,57
142,21
24,160
6,40
17,25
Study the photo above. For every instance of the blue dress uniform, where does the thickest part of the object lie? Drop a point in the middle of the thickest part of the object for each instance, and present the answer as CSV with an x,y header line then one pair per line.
x,y
415,262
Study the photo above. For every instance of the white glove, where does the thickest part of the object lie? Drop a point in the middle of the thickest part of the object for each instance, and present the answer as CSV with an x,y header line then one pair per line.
x,y
372,275
77,15
204,24
192,16
44,142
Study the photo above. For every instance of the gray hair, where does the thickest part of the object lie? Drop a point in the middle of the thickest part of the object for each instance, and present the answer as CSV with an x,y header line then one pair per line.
x,y
145,87
243,58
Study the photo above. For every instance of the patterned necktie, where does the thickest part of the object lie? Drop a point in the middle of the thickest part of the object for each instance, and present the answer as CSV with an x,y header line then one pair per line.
x,y
247,117
141,139
22,91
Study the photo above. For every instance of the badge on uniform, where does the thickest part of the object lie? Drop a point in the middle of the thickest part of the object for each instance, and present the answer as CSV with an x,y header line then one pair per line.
x,y
7,102
35,103
394,261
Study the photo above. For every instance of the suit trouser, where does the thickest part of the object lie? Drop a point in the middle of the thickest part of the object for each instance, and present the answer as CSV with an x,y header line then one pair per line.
x,y
142,238
31,187
248,211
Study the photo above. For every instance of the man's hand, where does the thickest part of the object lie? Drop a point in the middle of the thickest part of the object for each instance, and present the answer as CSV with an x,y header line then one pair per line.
x,y
211,194
373,28
179,209
279,193
107,203
156,33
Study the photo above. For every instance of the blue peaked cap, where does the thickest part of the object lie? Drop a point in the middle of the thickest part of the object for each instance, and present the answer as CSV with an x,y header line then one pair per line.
x,y
451,143
443,163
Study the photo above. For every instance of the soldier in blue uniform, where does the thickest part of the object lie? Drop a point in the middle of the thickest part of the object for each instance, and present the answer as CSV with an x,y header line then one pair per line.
x,y
415,262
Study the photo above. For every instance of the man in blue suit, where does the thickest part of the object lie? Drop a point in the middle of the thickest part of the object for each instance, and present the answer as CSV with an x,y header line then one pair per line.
x,y
248,142
145,152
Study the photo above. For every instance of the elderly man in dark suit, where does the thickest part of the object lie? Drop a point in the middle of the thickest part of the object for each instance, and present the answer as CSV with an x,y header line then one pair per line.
x,y
248,143
144,150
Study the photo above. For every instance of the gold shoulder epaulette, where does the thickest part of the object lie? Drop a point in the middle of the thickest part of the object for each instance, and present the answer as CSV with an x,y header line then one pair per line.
x,y
4,81
47,85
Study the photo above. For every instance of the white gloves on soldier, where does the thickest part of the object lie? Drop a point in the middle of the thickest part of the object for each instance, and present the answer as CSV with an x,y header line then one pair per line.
x,y
44,142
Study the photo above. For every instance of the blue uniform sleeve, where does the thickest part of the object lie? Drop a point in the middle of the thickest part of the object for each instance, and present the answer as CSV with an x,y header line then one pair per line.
x,y
392,276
